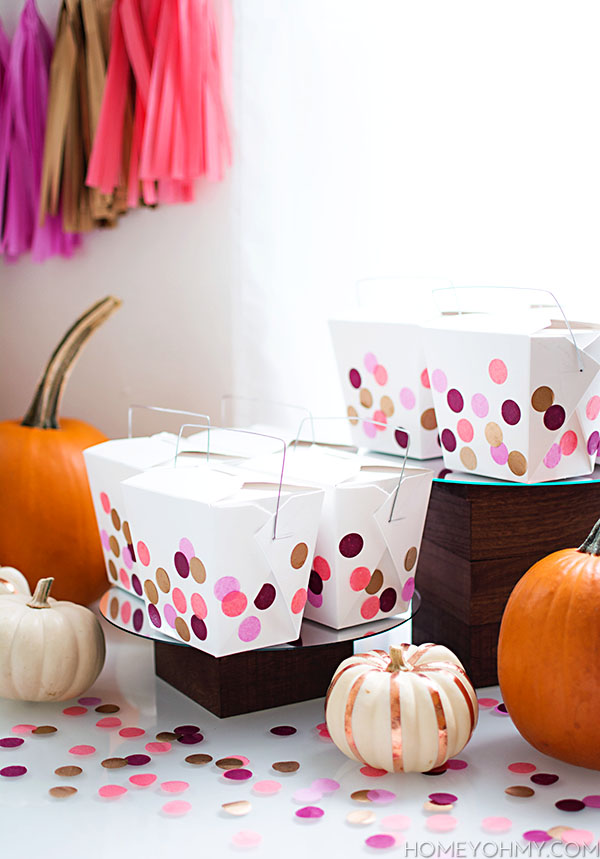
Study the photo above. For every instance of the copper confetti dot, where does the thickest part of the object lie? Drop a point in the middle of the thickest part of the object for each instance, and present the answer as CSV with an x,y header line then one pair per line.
x,y
517,463
151,592
299,555
68,771
433,806
353,415
114,546
113,572
114,608
519,790
428,419
544,778
286,766
167,737
238,808
163,580
375,583
542,398
366,398
410,559
198,570
556,831
107,708
361,817
387,406
62,792
493,434
182,628
229,763
360,796
468,458
114,763
45,729
116,519
127,533
570,805
199,760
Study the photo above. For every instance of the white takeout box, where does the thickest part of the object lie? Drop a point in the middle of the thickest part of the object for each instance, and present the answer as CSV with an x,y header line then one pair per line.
x,y
217,573
515,399
369,534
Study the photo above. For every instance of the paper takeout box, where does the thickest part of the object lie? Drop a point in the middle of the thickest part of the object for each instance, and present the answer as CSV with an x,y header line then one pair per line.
x,y
222,570
369,533
515,398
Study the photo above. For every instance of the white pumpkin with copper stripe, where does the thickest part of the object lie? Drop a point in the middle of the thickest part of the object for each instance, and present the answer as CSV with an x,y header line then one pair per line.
x,y
408,711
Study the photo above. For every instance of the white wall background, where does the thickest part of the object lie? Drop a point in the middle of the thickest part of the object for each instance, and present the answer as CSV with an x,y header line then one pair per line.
x,y
426,138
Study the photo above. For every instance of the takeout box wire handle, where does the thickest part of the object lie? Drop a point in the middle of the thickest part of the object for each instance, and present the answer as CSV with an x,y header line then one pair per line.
x,y
164,411
234,398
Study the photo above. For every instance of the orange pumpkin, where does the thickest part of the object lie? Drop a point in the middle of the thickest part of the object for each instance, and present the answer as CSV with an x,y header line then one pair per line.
x,y
548,665
47,522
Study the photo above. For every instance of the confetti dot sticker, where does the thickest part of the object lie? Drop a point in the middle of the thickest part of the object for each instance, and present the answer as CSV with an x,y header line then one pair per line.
x,y
369,608
351,545
322,568
570,805
544,778
267,787
190,739
299,556
370,362
238,774
170,615
286,766
517,463
568,443
44,729
493,434
325,785
580,837
468,458
229,763
366,398
89,701
437,809
138,619
142,779
355,379
488,702
439,380
592,801
448,440
198,570
138,760
372,772
359,796
387,406
499,454
310,812
283,730
179,600
298,602
522,767
379,418
174,786
382,797
519,790
62,792
496,824
537,835
74,711
592,409
104,539
455,400
113,763
542,398
186,548
314,599
511,413
111,791
429,419
425,379
82,750
407,398
246,838
234,604
388,600
456,764
199,628
130,733
105,502
237,809
182,565
593,443
498,371
396,822
126,607
224,586
186,729
143,553
198,760
68,771
361,817
480,405
353,415
443,798
360,578
109,722
441,823
401,438
11,742
381,841
181,628
554,417
13,771
158,748
375,582
198,606
176,807
151,592
465,431
381,375
553,457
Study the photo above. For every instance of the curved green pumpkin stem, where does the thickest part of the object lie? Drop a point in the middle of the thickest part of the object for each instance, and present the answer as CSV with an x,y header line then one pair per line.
x,y
591,544
43,411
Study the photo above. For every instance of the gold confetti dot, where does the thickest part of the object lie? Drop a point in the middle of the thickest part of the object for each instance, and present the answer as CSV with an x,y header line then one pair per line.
x,y
387,406
239,808
112,569
45,729
198,760
517,463
198,570
432,806
114,546
62,792
167,737
493,434
299,555
107,708
116,519
410,559
286,766
68,771
366,398
542,398
428,419
375,583
360,796
181,628
127,533
114,608
353,415
229,763
114,763
361,817
519,790
163,580
151,591
468,458
556,831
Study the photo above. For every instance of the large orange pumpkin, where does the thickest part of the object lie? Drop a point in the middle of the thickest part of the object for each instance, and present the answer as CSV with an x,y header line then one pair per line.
x,y
548,654
47,522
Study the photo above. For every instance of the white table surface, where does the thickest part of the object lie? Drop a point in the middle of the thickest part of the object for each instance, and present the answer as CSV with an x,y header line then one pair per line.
x,y
34,824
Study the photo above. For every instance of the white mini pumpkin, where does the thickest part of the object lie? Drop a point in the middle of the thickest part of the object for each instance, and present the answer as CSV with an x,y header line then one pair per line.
x,y
13,582
405,712
49,650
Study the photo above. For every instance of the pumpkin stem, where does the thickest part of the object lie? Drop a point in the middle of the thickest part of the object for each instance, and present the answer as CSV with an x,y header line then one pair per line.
x,y
43,411
591,544
41,594
397,662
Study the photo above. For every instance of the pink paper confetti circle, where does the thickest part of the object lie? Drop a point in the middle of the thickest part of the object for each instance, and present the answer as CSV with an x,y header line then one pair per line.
x,y
75,711
82,750
142,779
174,786
11,742
186,547
407,398
246,838
456,764
267,787
439,380
131,732
488,702
111,791
109,722
577,836
325,785
237,775
496,824
370,429
480,405
381,375
224,586
592,801
370,362
105,501
443,798
381,841
310,812
498,371
22,729
89,701
241,758
157,748
592,410
537,835
522,767
396,822
176,807
143,553
372,772
381,796
249,628
441,823
13,771
308,794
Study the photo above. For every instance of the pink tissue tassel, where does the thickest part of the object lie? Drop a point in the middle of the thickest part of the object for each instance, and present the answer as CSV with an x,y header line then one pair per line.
x,y
23,108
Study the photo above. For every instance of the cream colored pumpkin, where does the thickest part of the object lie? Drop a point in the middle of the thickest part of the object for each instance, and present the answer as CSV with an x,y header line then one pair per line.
x,y
13,582
406,712
49,650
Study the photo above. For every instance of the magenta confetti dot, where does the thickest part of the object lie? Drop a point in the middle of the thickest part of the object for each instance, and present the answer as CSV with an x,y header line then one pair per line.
x,y
381,841
111,791
199,628
11,742
501,708
408,589
554,417
315,600
186,729
351,545
544,778
131,732
265,597
592,801
325,785
138,760
75,711
154,615
499,454
537,835
570,805
137,585
190,739
455,400
381,796
553,457
448,440
127,558
238,775
176,807
310,812
457,764
355,379
13,771
182,565
138,619
401,438
522,767
593,443
437,770
511,413
283,730
443,798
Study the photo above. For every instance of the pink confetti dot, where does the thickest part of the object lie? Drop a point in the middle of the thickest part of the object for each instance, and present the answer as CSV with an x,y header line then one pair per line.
x,y
577,836
407,398
370,607
360,578
441,823
381,796
325,785
131,732
496,824
22,729
480,405
408,589
299,600
104,539
241,758
246,838
75,711
174,786
109,722
111,791
234,604
176,807
199,606
224,586
488,702
522,767
157,748
142,779
381,841
537,835
249,628
592,801
267,787
104,500
465,430
456,764
126,607
310,812
568,443
498,371
553,456
308,794
170,615
179,600
237,775
425,379
143,553
128,561
321,567
82,750
370,362
370,429
499,454
89,701
379,418
186,547
321,725
396,822
372,772
592,410
439,380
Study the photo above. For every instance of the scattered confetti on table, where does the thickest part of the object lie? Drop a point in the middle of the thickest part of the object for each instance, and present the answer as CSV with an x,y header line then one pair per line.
x,y
496,824
372,772
44,729
286,766
111,791
437,770
382,797
501,708
107,708
176,807
266,787
11,742
283,730
229,763
186,729
592,801
198,760
538,836
82,750
557,831
570,805
189,739
381,841
325,785
310,812
130,733
109,722
519,790
237,809
488,702
361,818
307,794
577,836
396,822
544,778
360,796
246,838
158,748
22,729
522,767
143,779
441,823
138,760
166,736
237,774
89,701
456,764
13,771
174,786
75,711
68,771
61,792
443,798
434,807
113,763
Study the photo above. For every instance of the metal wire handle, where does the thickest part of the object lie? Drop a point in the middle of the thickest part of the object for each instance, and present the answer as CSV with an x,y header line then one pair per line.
x,y
159,409
234,397
363,420
245,432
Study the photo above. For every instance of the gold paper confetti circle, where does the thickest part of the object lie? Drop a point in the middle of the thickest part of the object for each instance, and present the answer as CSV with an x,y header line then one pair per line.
x,y
114,546
198,570
375,583
428,419
181,628
68,771
198,760
360,796
432,806
229,763
517,463
116,519
62,791
112,569
387,406
163,580
353,415
366,398
167,737
45,729
556,831
286,766
114,763
542,398
493,434
468,458
410,559
239,808
519,790
151,592
107,708
114,608
299,555
361,817
127,533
